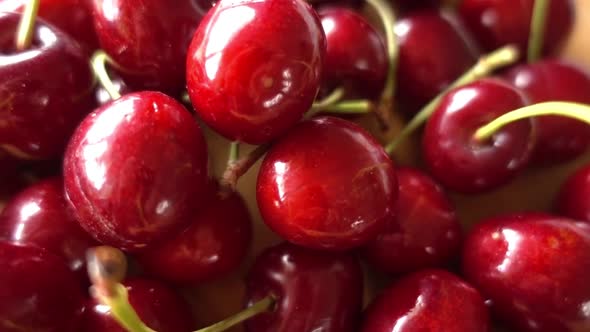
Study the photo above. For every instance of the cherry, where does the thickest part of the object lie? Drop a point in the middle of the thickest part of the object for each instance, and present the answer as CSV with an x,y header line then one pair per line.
x,y
425,232
327,184
559,139
429,300
148,39
136,170
314,291
255,93
214,244
45,90
102,95
432,54
461,162
535,269
572,200
37,291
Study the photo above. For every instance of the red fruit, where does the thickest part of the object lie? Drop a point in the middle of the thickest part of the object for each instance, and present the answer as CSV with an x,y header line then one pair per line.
x,y
572,200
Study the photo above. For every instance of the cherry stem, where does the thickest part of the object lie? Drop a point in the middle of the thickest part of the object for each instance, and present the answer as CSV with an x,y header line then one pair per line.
x,y
487,64
26,25
358,106
332,98
571,110
536,37
261,306
98,62
234,152
239,167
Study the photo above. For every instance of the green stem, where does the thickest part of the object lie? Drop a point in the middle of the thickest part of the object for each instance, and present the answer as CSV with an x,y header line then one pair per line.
x,y
234,152
355,106
238,168
332,98
26,25
263,305
538,23
98,62
571,110
123,312
502,57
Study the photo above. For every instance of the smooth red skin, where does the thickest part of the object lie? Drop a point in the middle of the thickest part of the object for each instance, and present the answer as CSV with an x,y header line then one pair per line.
x,y
156,304
535,269
356,56
432,54
46,90
460,163
148,39
572,200
327,184
254,67
314,291
38,293
429,300
496,23
135,170
214,244
559,139
425,233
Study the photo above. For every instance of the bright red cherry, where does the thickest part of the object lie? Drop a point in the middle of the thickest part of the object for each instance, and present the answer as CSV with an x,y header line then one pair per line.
x,y
559,139
314,291
254,67
573,198
430,300
38,293
157,305
327,184
460,162
45,90
136,170
425,233
535,269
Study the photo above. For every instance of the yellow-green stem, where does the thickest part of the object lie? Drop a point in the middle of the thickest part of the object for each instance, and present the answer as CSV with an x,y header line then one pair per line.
x,y
538,23
26,26
263,305
334,97
98,62
234,152
123,312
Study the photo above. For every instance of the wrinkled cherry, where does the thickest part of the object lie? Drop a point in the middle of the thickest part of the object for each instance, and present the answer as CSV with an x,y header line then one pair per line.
x,y
573,198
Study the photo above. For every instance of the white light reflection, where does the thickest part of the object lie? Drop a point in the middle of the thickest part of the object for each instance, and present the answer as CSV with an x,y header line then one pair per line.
x,y
328,25
513,239
280,170
399,325
110,9
461,98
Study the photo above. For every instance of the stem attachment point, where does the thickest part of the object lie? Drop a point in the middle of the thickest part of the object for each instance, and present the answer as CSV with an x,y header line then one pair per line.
x,y
26,26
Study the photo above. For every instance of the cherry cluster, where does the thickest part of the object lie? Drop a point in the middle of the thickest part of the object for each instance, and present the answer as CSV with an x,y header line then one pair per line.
x,y
105,164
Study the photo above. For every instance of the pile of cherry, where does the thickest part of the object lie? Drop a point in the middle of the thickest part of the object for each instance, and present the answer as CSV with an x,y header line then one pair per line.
x,y
88,176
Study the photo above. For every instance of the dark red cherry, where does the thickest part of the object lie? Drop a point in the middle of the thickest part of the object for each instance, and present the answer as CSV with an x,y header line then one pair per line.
x,y
254,67
460,162
157,305
535,270
214,244
429,300
355,55
38,293
425,232
45,90
496,23
314,291
39,216
148,39
573,200
327,184
432,54
136,170
559,139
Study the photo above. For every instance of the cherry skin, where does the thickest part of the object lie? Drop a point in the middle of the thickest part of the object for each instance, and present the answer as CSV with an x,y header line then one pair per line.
x,y
327,184
425,233
559,139
429,300
136,170
45,90
38,293
214,244
456,159
572,200
254,67
355,55
496,23
314,291
156,304
432,54
535,269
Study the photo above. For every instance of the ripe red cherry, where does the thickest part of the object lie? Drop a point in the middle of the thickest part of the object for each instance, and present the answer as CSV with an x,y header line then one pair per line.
x,y
432,54
214,244
455,158
535,269
157,305
327,184
572,200
45,90
314,291
135,170
425,232
37,291
254,67
559,139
